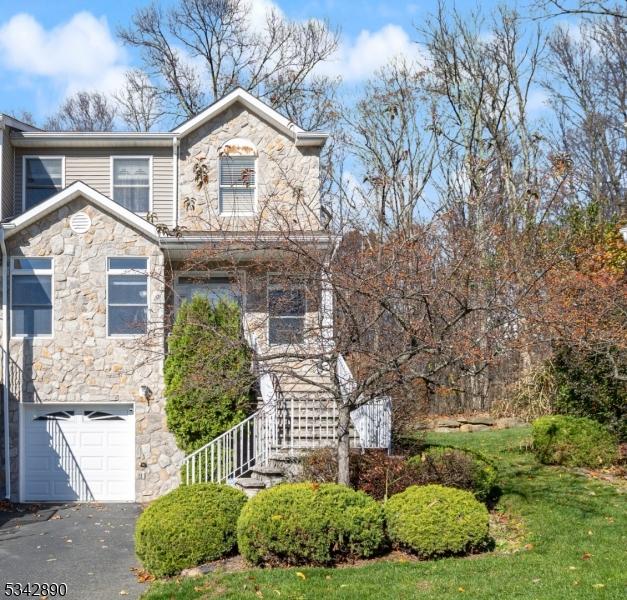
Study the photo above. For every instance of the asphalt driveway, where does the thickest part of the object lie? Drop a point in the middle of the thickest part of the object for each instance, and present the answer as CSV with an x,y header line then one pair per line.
x,y
89,547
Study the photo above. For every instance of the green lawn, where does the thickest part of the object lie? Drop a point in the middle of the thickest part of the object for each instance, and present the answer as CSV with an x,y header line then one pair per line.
x,y
574,547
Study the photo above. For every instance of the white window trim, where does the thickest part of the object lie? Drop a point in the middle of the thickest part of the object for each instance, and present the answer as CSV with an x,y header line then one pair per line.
x,y
49,272
41,157
146,272
148,157
252,213
278,286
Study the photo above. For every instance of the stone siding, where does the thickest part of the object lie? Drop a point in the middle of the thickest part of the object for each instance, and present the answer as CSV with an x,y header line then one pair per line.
x,y
79,363
288,177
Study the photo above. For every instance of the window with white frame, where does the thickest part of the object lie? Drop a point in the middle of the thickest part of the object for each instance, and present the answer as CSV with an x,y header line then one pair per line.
x,y
127,296
43,178
237,184
286,313
131,182
31,297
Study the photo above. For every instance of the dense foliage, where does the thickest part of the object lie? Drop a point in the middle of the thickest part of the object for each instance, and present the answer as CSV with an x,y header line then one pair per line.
x,y
207,372
381,475
458,468
573,442
434,520
586,387
309,523
187,527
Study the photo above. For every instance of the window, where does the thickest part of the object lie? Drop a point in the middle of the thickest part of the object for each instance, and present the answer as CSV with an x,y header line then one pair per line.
x,y
127,296
61,415
131,183
237,185
43,177
31,297
215,287
286,314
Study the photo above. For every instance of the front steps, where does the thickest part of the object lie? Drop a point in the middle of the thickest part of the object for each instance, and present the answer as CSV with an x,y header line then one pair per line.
x,y
282,466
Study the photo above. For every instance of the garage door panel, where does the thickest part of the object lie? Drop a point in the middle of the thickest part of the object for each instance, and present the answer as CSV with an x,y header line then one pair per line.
x,y
79,457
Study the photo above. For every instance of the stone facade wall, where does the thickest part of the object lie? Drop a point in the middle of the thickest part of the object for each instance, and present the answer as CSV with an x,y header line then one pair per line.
x,y
79,363
288,177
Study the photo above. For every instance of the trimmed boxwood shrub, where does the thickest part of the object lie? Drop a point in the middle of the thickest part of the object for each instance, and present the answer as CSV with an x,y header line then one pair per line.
x,y
207,372
187,527
309,523
434,520
573,442
456,467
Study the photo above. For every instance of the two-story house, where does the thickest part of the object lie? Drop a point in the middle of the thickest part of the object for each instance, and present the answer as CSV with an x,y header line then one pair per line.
x,y
94,227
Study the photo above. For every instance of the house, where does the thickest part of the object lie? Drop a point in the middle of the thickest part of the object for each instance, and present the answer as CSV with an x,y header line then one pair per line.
x,y
95,229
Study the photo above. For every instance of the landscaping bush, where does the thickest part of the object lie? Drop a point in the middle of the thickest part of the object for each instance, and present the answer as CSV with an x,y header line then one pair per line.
x,y
187,527
573,442
309,523
587,387
207,372
455,467
374,471
433,521
381,475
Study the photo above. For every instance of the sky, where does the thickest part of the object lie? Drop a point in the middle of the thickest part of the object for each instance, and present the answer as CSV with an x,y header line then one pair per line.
x,y
52,48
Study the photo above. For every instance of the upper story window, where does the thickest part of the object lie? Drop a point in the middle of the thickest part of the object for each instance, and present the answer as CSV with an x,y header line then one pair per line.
x,y
127,296
31,297
238,178
43,178
131,182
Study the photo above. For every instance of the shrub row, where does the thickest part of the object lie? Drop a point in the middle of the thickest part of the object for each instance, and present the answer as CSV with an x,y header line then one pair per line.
x,y
304,523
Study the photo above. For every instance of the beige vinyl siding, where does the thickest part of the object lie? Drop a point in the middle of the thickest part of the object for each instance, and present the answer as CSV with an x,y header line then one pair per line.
x,y
7,175
93,167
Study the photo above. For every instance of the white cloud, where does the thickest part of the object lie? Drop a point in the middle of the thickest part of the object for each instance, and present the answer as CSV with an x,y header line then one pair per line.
x,y
537,101
258,12
78,54
358,59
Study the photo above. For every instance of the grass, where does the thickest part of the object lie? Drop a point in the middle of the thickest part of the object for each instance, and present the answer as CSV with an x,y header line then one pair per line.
x,y
574,546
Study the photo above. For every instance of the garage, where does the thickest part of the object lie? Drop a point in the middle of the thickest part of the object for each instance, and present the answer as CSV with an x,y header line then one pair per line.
x,y
78,452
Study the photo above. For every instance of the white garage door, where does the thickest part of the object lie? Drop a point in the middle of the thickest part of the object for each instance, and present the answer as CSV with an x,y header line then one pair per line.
x,y
81,452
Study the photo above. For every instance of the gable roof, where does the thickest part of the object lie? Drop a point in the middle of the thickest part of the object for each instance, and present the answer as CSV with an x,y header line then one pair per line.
x,y
15,123
76,190
301,137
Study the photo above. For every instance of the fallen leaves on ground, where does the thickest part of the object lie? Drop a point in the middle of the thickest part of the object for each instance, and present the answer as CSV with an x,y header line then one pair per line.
x,y
142,575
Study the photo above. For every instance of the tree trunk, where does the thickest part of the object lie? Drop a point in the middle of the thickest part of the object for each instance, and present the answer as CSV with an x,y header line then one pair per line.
x,y
343,444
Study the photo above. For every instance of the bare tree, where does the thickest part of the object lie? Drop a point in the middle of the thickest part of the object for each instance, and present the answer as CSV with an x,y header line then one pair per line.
x,y
199,50
139,101
602,8
84,111
588,87
391,147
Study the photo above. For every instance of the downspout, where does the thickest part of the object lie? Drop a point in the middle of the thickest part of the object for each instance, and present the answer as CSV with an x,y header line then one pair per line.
x,y
175,181
5,365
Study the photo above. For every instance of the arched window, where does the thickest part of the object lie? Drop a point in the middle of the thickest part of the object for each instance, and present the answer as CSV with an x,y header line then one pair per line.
x,y
238,177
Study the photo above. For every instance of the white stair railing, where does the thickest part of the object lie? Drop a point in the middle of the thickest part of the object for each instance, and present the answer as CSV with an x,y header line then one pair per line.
x,y
282,424
249,443
373,418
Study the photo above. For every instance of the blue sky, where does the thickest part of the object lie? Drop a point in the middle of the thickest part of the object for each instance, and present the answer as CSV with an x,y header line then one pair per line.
x,y
50,48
